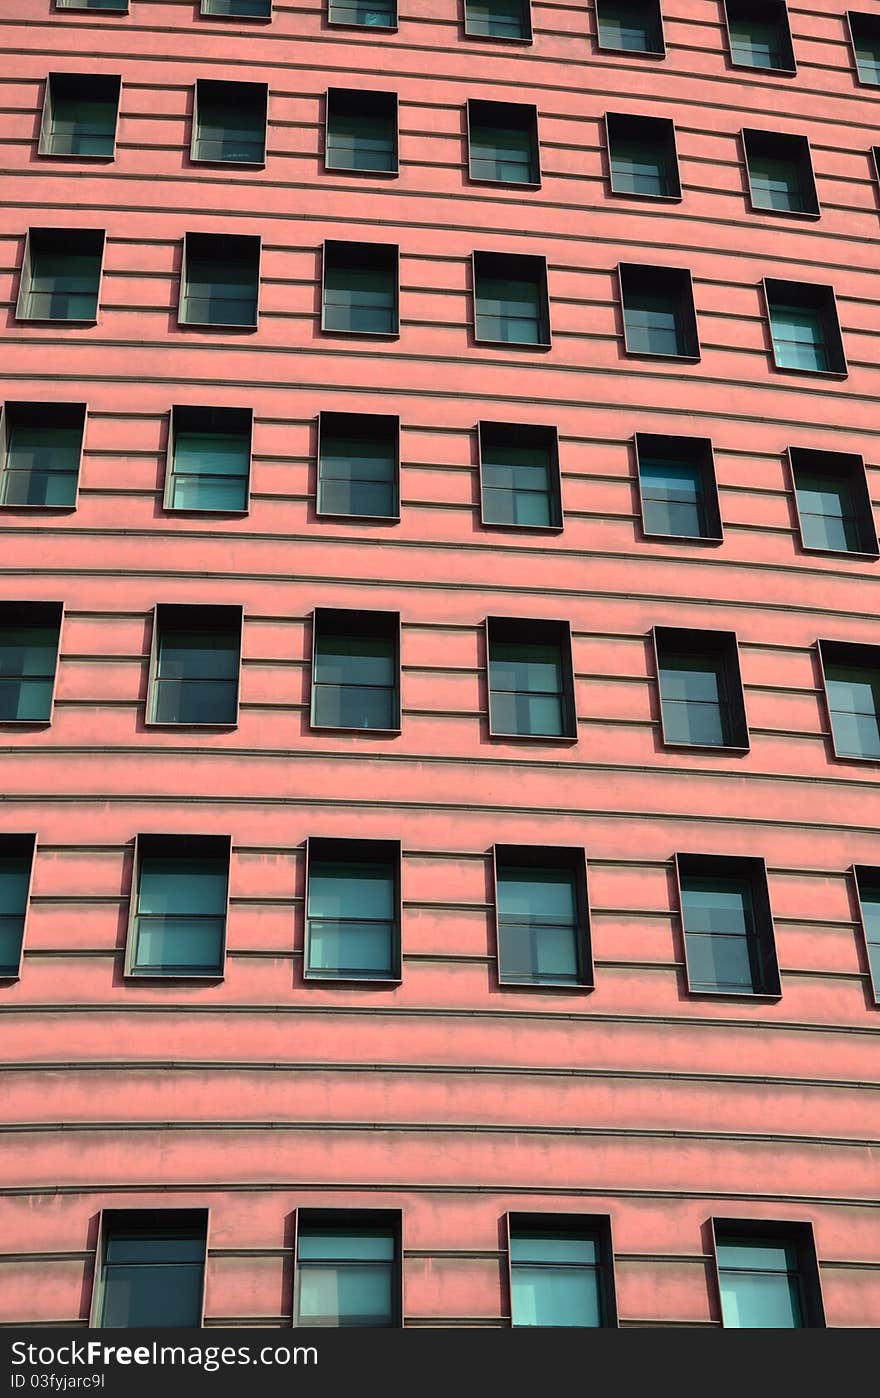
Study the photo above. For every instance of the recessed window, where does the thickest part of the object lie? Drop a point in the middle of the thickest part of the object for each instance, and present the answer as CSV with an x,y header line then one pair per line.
x,y
16,864
728,926
208,460
868,891
359,465
767,1274
194,666
119,7
79,116
348,1270
363,14
780,171
510,299
353,910
542,916
642,157
531,680
759,35
865,34
561,1270
804,327
229,123
835,514
498,19
220,280
40,451
701,693
360,289
356,670
503,143
677,487
237,9
29,635
851,674
361,131
659,318
630,26
61,275
519,476
150,1269
177,923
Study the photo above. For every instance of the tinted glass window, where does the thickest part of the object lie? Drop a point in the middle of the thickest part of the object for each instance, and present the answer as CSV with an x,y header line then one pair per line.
x,y
352,915
210,471
538,928
555,1279
760,1285
181,914
346,1277
526,689
196,677
693,693
27,673
854,701
15,873
723,952
355,682
152,1280
42,465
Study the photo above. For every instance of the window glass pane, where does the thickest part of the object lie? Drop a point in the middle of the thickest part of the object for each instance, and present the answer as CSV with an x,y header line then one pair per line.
x,y
854,700
868,59
352,948
14,879
355,682
359,142
722,944
376,14
42,465
723,963
693,693
246,9
346,1294
517,487
755,43
546,894
870,901
351,890
80,127
357,476
210,471
827,513
653,324
359,299
152,1296
501,153
798,337
499,19
672,498
626,24
218,293
553,1247
329,1244
27,672
182,885
509,310
63,286
229,131
197,678
168,943
537,924
776,184
637,169
352,909
524,666
556,1295
760,1301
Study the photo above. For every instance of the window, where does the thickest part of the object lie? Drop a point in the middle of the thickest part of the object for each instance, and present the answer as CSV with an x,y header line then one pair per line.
x,y
360,291
767,1275
658,312
40,450
868,894
229,123
29,636
503,143
353,910
237,9
348,1269
630,26
780,173
531,680
642,157
677,489
701,693
220,280
356,670
759,35
804,327
150,1268
361,131
728,926
561,1270
542,916
498,19
16,866
194,665
61,275
177,917
79,115
119,7
359,465
834,508
208,460
366,14
520,484
865,36
851,674
510,299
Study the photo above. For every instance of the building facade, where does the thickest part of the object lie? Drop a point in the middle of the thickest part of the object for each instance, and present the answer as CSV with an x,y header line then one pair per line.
x,y
440,662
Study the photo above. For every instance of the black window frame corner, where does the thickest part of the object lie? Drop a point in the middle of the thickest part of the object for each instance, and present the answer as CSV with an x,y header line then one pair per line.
x,y
530,124
577,1223
658,29
62,237
44,149
177,413
546,435
574,858
354,621
538,630
24,844
856,475
751,136
362,28
872,873
206,13
193,613
825,302
670,141
219,161
391,99
856,653
150,843
224,239
511,260
702,455
525,40
801,1232
40,613
374,253
789,68
393,422
872,19
683,277
364,850
754,869
78,417
701,641
142,1219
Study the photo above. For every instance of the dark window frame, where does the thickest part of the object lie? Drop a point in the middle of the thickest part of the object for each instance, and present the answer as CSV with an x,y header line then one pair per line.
x,y
535,631
205,12
76,415
230,242
677,280
121,8
184,845
361,101
191,616
873,20
363,28
524,433
392,1219
12,844
718,645
142,1220
816,296
846,653
355,850
103,82
520,116
774,141
633,123
574,858
875,162
659,35
219,88
750,868
194,417
341,621
375,255
524,39
851,467
37,614
70,240
702,456
577,1223
797,1231
507,263
789,66
872,878
383,425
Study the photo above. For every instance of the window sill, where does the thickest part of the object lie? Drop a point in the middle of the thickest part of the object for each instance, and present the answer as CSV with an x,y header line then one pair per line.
x,y
737,749
237,19
854,758
222,725
653,198
524,42
71,155
366,519
557,739
357,170
361,334
764,996
227,164
216,325
859,555
630,53
363,28
382,982
806,215
504,184
25,723
579,987
761,68
654,354
213,514
158,977
809,373
40,509
520,345
56,320
344,728
712,539
522,528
